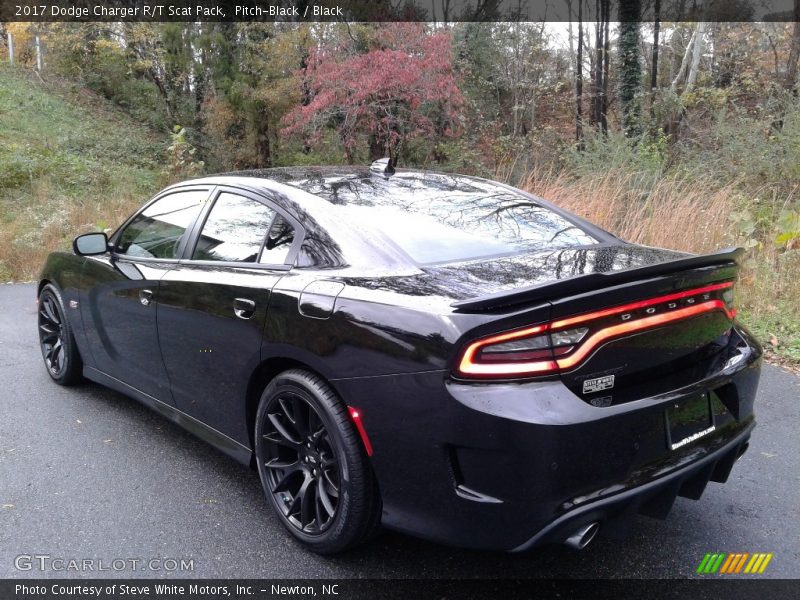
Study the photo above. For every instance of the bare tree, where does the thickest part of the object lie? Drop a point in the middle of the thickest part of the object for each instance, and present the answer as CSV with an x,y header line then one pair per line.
x,y
601,66
579,82
654,66
691,60
697,52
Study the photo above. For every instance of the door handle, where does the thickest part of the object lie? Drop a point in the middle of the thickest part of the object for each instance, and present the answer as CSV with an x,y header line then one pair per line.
x,y
244,308
145,297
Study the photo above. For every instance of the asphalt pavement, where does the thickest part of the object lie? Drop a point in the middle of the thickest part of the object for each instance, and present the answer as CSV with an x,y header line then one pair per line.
x,y
87,473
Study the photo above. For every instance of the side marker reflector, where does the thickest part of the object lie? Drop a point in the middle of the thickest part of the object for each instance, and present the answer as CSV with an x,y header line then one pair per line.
x,y
355,414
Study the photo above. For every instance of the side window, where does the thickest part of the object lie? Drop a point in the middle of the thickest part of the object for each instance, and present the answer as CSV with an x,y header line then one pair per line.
x,y
278,243
158,230
234,230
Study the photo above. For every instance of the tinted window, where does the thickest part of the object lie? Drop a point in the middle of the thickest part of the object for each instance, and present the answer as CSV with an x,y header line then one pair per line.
x,y
234,230
158,230
278,243
435,217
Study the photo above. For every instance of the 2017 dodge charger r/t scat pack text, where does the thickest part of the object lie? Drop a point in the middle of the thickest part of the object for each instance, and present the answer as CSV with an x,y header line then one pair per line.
x,y
443,355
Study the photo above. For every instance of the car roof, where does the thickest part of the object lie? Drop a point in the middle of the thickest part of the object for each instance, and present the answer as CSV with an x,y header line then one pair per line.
x,y
329,201
304,177
292,188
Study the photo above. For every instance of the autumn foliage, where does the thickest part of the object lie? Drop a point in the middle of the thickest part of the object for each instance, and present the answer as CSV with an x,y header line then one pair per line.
x,y
404,87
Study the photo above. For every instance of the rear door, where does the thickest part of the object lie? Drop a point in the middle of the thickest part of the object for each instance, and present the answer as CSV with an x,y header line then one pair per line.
x,y
213,305
119,312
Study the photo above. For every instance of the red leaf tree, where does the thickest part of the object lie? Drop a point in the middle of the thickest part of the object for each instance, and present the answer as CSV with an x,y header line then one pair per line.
x,y
403,88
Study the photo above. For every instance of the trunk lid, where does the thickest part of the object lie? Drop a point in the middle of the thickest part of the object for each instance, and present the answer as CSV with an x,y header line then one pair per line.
x,y
484,284
654,320
662,333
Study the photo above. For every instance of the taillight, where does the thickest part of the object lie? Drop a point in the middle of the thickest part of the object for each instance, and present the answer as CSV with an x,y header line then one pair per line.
x,y
523,351
565,343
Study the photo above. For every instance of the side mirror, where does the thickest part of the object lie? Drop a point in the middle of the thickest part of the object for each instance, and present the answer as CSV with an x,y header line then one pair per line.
x,y
90,244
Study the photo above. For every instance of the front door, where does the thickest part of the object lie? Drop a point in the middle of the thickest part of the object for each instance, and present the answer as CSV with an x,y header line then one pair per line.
x,y
120,312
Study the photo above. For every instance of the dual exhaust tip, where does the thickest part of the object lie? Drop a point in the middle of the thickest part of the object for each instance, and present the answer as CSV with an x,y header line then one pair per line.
x,y
583,536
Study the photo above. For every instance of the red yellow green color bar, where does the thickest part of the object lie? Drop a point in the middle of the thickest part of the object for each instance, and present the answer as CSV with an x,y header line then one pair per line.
x,y
734,562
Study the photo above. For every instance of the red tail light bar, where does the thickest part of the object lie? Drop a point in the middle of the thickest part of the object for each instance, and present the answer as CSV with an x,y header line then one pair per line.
x,y
565,343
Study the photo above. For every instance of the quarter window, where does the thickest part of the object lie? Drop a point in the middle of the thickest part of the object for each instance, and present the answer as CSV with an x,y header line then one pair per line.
x,y
278,243
157,231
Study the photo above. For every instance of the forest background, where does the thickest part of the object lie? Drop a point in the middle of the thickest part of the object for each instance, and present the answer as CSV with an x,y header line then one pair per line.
x,y
672,134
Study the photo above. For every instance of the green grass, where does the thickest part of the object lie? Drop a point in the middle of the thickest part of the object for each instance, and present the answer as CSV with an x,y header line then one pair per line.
x,y
69,161
781,327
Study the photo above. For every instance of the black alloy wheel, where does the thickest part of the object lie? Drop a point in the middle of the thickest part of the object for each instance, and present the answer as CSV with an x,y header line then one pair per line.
x,y
57,343
302,469
313,468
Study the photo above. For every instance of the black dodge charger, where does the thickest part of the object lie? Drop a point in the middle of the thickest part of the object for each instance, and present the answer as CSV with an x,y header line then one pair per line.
x,y
439,354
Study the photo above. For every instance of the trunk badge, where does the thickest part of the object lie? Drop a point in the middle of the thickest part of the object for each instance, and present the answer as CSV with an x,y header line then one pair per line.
x,y
598,384
73,304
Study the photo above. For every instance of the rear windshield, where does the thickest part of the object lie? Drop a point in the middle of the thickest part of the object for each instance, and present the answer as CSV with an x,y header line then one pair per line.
x,y
438,218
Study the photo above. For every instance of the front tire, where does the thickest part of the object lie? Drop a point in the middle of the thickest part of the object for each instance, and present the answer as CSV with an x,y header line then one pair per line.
x,y
313,467
59,351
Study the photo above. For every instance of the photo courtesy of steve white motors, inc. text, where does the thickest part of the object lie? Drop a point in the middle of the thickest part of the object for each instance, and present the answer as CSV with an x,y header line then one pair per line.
x,y
206,10
175,590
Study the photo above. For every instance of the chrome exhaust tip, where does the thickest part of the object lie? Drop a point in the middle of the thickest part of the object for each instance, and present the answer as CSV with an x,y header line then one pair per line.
x,y
583,536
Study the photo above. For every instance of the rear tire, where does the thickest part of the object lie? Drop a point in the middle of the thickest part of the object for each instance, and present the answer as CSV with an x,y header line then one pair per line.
x,y
313,467
59,350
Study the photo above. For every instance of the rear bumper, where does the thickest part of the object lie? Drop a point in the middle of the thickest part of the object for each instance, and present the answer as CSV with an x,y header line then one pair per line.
x,y
507,466
654,498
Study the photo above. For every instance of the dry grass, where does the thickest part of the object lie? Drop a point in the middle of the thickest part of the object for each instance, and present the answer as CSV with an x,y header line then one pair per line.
x,y
694,216
678,214
46,221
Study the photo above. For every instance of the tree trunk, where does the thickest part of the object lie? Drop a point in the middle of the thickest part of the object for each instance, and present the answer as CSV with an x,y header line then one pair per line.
x,y
519,102
166,96
606,59
377,147
598,66
305,94
684,63
790,81
697,52
200,89
579,82
263,144
630,70
654,66
569,34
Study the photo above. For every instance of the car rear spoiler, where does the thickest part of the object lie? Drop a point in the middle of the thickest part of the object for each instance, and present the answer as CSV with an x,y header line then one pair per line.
x,y
593,281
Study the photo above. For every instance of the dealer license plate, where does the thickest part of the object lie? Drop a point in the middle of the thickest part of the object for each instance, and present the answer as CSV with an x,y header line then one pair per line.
x,y
688,420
